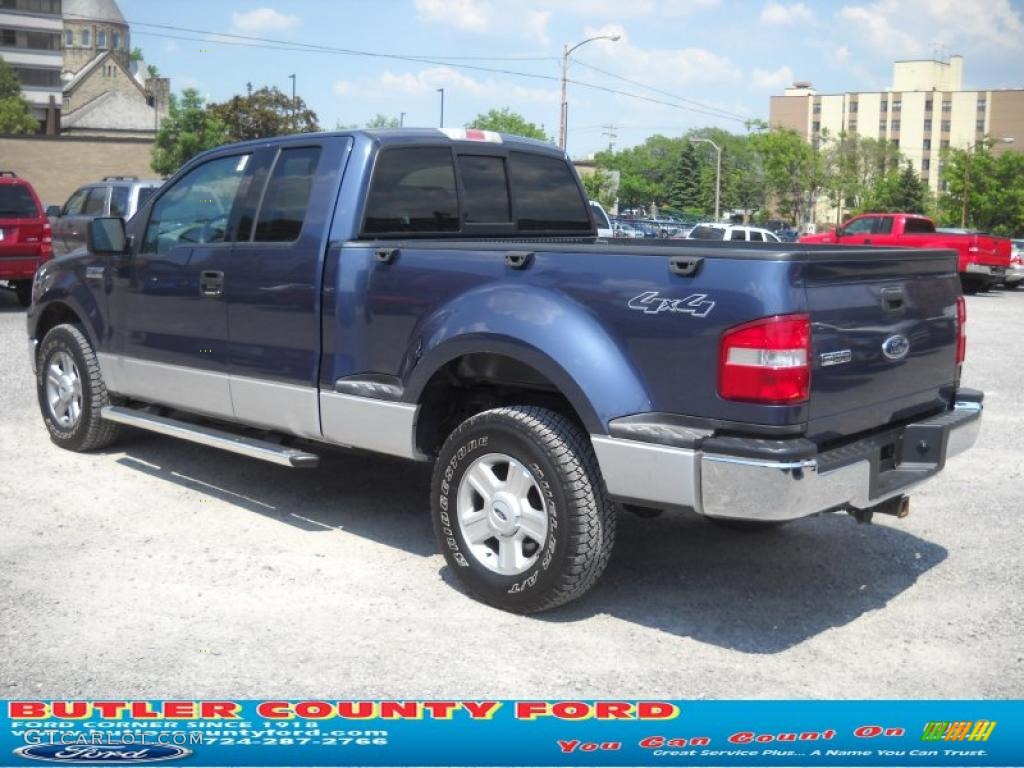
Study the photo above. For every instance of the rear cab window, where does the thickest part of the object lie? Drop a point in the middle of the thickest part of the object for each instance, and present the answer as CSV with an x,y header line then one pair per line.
x,y
918,226
16,202
447,190
545,195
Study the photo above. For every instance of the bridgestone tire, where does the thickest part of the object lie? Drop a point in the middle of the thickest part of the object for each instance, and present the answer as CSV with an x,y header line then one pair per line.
x,y
90,431
23,290
581,518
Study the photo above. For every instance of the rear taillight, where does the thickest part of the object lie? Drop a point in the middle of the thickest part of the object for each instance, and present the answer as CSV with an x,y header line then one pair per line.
x,y
46,246
961,330
766,361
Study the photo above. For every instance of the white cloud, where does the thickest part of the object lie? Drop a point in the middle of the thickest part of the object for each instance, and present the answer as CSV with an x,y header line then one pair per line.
x,y
772,81
913,27
673,66
617,9
778,13
471,15
263,20
430,79
537,26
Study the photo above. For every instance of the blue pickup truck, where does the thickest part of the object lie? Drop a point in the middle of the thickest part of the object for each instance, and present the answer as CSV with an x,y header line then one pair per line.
x,y
440,295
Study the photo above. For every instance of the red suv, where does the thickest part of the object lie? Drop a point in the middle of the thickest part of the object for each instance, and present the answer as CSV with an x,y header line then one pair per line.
x,y
26,240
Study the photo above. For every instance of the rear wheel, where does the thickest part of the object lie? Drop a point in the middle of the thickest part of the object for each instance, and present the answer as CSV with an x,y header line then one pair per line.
x,y
520,510
23,290
71,391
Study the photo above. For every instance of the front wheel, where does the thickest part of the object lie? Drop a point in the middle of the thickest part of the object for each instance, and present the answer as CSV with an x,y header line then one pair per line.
x,y
71,391
520,510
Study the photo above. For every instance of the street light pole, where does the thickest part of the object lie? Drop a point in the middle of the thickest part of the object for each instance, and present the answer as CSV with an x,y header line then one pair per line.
x,y
718,172
564,112
401,120
967,172
441,91
292,78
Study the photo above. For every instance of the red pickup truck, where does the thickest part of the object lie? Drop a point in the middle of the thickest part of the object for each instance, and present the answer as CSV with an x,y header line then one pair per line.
x,y
26,240
983,259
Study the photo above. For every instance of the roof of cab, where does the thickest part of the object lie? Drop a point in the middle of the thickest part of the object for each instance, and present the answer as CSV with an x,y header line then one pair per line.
x,y
398,136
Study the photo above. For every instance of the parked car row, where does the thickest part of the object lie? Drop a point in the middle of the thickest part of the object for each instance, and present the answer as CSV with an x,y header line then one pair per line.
x,y
31,235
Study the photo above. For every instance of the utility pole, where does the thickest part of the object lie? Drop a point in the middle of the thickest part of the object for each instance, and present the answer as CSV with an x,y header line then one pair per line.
x,y
610,132
564,117
718,172
248,88
441,91
401,119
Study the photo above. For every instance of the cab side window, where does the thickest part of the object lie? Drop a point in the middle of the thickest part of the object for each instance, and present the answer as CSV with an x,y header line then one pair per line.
x,y
883,225
864,226
95,202
286,198
73,207
738,234
119,201
198,207
756,236
413,190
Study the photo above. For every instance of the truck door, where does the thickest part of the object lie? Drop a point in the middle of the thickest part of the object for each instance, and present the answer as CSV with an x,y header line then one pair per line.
x,y
272,284
167,303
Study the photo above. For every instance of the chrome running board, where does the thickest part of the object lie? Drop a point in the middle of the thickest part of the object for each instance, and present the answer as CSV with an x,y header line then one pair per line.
x,y
215,438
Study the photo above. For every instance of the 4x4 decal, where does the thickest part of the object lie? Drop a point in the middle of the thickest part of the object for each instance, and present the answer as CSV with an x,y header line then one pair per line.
x,y
651,303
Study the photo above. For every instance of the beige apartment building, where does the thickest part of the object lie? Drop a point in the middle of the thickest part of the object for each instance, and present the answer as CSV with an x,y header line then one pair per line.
x,y
925,110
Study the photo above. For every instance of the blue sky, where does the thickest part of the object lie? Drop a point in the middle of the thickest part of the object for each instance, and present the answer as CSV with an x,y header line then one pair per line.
x,y
725,57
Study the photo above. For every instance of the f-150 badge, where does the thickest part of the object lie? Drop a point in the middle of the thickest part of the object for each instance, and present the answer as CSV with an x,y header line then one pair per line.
x,y
651,303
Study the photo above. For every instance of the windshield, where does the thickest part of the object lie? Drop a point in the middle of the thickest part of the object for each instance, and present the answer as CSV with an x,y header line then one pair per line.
x,y
703,232
17,202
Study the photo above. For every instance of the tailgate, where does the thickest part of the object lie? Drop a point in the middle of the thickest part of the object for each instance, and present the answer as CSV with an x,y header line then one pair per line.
x,y
883,338
993,251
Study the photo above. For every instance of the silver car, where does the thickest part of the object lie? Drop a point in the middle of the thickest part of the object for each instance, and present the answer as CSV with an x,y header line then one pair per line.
x,y
113,196
1015,272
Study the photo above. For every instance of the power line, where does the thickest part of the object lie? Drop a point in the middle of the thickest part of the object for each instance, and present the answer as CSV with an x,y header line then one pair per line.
x,y
262,42
724,112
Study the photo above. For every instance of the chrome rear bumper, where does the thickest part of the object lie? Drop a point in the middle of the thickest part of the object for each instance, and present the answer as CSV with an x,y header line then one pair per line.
x,y
740,488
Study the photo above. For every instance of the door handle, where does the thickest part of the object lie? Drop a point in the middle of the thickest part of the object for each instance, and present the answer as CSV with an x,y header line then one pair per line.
x,y
211,283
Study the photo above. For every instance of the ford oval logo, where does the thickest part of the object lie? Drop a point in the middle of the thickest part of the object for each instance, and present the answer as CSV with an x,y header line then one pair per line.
x,y
896,347
102,755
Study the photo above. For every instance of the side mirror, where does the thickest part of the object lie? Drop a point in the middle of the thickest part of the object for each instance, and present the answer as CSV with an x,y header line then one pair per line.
x,y
53,211
107,236
838,232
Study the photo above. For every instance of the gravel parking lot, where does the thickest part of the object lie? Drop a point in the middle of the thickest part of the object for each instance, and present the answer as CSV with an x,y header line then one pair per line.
x,y
162,569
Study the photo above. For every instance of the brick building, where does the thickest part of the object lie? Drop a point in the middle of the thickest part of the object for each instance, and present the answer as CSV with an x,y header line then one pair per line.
x,y
924,111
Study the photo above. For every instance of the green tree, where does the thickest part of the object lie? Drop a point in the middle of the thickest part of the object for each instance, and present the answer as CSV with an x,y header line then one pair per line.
x,y
794,171
15,112
264,113
383,121
988,187
900,191
601,186
685,189
188,130
506,121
